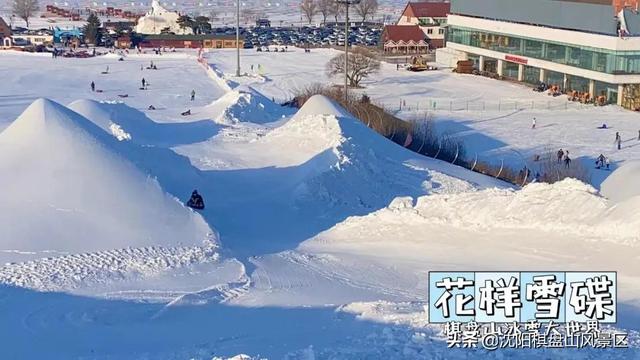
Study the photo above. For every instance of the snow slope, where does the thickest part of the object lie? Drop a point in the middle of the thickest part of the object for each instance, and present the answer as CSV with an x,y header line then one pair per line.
x,y
127,123
623,183
61,173
242,104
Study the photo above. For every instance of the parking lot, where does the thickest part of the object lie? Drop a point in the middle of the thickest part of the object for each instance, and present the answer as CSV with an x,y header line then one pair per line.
x,y
306,36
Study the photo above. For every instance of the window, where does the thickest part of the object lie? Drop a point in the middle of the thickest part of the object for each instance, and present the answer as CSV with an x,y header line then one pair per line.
x,y
601,60
440,31
429,31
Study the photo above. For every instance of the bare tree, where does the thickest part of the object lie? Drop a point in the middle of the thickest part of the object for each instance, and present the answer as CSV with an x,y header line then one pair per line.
x,y
248,15
336,9
362,63
367,8
325,9
309,8
25,9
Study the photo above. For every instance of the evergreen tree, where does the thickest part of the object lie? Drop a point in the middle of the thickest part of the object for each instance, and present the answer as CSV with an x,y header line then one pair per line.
x,y
186,22
92,30
202,25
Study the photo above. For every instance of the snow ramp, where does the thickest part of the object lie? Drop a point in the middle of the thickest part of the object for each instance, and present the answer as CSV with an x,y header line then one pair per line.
x,y
243,104
355,166
129,124
66,190
622,184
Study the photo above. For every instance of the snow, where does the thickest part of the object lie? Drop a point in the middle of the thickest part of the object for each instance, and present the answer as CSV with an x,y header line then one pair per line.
x,y
318,234
67,80
64,175
493,118
622,184
159,18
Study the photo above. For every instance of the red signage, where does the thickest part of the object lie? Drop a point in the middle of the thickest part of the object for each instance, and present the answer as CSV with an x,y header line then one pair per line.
x,y
516,59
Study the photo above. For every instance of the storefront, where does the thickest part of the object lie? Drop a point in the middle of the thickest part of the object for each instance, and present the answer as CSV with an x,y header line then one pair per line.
x,y
583,53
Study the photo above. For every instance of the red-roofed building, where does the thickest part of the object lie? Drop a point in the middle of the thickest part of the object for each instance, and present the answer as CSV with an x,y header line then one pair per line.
x,y
5,34
431,16
403,39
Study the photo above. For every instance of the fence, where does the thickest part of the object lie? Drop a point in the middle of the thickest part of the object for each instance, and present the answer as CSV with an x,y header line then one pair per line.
x,y
481,105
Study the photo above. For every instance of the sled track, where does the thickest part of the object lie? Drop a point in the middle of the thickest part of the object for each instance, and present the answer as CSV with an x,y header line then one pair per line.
x,y
74,271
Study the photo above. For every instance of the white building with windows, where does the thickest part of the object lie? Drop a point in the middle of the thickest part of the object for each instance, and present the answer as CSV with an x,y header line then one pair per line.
x,y
578,45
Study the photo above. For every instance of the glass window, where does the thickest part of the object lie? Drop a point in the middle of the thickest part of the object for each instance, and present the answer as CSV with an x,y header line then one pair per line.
x,y
602,60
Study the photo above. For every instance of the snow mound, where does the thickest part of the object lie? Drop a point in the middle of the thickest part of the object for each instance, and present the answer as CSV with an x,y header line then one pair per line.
x,y
569,207
128,124
244,105
622,184
321,105
351,165
66,188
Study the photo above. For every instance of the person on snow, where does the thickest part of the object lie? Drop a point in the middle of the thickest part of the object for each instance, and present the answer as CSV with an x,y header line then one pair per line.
x,y
533,123
144,83
196,201
567,162
186,113
560,155
193,95
600,161
93,86
607,162
618,140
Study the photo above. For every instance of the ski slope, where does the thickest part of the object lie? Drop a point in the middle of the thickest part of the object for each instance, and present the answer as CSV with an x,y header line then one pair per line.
x,y
317,236
493,118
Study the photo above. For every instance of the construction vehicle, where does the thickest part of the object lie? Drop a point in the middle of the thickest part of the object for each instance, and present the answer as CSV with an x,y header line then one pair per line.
x,y
418,63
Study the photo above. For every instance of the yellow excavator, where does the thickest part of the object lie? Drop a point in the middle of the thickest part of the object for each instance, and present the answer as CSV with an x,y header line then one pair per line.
x,y
418,63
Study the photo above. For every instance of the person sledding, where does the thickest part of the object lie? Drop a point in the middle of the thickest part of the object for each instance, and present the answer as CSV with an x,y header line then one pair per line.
x,y
186,113
600,161
196,201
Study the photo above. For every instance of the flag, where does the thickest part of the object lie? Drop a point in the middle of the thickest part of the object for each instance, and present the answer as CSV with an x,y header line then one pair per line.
x,y
408,140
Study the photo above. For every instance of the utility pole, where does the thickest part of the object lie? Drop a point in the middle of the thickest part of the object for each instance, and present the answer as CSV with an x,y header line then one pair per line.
x,y
238,38
346,4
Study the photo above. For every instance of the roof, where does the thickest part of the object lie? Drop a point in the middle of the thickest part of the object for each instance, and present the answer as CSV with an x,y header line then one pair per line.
x,y
427,9
3,25
581,15
402,33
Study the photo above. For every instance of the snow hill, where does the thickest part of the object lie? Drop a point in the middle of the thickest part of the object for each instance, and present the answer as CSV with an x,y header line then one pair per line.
x,y
66,188
129,124
358,167
623,183
243,104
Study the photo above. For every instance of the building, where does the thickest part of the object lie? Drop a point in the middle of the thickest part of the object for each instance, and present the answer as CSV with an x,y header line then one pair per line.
x,y
578,45
430,16
403,39
207,41
35,38
5,34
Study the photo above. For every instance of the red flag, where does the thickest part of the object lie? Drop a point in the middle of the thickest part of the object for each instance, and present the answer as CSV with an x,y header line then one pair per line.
x,y
408,140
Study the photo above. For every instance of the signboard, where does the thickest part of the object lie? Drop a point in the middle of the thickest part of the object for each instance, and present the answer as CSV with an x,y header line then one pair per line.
x,y
516,59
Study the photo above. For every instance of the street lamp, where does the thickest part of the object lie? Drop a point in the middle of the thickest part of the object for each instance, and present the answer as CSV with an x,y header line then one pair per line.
x,y
346,4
